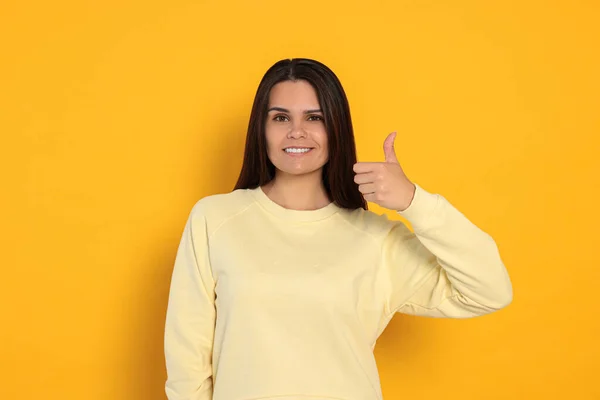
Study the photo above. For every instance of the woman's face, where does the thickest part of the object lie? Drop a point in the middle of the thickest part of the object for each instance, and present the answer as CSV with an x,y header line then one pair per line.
x,y
295,130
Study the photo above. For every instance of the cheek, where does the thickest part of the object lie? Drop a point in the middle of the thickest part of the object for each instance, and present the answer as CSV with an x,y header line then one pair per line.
x,y
274,137
270,135
323,141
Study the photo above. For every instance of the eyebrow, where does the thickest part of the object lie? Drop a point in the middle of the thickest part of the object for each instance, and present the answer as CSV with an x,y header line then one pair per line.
x,y
316,110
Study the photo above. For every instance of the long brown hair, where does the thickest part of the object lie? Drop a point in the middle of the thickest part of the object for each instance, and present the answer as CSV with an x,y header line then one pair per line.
x,y
338,176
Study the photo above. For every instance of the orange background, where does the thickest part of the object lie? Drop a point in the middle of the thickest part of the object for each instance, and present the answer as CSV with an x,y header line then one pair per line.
x,y
116,117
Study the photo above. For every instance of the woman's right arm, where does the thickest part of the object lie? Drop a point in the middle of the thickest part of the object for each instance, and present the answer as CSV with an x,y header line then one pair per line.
x,y
190,321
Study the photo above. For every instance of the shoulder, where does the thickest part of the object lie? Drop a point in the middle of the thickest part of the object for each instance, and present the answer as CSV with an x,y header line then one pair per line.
x,y
375,225
213,210
382,230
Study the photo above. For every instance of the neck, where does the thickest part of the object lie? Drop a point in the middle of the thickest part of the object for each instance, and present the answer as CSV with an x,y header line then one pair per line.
x,y
298,192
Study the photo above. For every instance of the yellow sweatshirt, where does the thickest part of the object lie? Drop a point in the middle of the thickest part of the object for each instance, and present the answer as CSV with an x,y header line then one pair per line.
x,y
271,303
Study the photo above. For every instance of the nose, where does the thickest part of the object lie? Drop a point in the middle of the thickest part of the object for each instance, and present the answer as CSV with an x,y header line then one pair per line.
x,y
296,130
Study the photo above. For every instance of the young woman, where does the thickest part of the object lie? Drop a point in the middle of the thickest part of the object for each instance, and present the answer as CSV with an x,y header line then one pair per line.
x,y
281,287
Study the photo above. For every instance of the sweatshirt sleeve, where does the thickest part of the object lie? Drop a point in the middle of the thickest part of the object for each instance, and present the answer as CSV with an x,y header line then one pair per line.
x,y
447,268
190,320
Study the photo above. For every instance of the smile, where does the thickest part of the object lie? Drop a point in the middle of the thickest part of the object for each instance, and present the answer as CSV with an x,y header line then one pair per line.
x,y
297,150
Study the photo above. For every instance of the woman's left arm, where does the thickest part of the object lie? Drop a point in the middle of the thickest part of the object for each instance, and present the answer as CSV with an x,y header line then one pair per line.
x,y
448,267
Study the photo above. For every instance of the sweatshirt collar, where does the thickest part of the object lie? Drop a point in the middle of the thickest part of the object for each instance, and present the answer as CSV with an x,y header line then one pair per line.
x,y
292,215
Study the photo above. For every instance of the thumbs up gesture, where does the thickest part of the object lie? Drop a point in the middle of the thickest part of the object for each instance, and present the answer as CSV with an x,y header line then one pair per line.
x,y
385,183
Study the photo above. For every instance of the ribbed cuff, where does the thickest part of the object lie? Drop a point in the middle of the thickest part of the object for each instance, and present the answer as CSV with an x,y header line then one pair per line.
x,y
421,208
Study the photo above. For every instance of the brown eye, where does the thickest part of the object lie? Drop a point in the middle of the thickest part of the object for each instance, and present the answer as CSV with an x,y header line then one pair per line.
x,y
315,118
280,118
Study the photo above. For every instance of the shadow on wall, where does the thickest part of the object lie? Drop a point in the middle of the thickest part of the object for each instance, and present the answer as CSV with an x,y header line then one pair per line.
x,y
145,332
405,336
147,372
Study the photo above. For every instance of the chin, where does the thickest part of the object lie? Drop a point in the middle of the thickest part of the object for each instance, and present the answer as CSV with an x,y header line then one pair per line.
x,y
285,166
299,171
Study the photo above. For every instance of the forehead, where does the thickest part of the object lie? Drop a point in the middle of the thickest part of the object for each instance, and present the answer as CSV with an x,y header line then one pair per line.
x,y
294,94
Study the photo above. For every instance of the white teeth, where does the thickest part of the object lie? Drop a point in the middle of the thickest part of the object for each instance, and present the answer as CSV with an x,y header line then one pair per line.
x,y
297,150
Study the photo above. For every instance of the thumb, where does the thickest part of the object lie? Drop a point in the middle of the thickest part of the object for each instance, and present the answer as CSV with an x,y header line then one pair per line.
x,y
388,148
